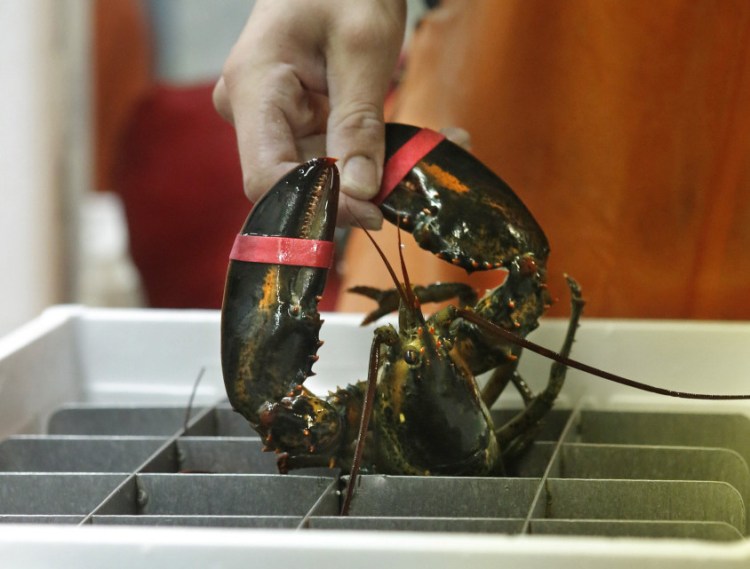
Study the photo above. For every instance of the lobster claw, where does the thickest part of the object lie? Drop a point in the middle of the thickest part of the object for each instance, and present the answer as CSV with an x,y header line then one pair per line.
x,y
277,272
457,208
301,205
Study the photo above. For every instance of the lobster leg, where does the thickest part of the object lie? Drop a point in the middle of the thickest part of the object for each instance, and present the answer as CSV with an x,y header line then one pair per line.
x,y
388,300
523,388
515,436
498,381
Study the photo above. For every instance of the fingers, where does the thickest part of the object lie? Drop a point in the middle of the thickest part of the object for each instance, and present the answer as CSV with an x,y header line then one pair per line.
x,y
361,56
221,101
274,125
266,118
272,91
308,78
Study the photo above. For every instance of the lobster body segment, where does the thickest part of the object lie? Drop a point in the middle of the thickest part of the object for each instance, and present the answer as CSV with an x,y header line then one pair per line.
x,y
429,417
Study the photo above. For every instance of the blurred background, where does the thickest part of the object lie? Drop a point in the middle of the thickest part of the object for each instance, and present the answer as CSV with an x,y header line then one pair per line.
x,y
623,126
106,105
76,74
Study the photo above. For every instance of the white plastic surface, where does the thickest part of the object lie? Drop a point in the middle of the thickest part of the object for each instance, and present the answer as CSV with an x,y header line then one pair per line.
x,y
73,354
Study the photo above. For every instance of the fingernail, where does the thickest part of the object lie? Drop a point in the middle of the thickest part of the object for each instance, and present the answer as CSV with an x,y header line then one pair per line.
x,y
359,177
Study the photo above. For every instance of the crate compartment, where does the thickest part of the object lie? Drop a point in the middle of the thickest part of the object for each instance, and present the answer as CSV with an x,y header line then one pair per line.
x,y
580,460
109,446
225,422
117,420
702,429
230,455
233,495
416,524
255,522
23,493
572,487
704,531
55,453
442,497
657,500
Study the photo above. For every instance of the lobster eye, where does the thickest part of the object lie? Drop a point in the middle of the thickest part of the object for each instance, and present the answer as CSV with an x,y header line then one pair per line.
x,y
528,266
411,357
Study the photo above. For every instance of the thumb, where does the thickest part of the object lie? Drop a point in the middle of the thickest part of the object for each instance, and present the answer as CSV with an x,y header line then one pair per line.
x,y
361,59
356,136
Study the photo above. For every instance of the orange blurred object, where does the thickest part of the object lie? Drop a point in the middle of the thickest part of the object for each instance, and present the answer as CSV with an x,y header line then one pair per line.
x,y
624,126
122,75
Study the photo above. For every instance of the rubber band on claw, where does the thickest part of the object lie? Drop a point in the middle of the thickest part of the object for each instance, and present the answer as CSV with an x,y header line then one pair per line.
x,y
405,158
282,251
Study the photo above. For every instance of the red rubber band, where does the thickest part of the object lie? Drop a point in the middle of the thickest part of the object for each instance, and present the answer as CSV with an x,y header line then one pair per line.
x,y
282,251
404,159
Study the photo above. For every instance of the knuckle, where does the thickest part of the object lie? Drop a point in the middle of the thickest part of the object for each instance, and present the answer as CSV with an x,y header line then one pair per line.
x,y
363,33
252,189
233,67
220,100
363,118
359,38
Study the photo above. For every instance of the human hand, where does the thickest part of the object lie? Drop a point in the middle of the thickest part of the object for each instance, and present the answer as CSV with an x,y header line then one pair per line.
x,y
308,78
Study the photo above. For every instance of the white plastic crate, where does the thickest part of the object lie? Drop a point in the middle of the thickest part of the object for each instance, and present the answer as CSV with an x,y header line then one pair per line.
x,y
151,359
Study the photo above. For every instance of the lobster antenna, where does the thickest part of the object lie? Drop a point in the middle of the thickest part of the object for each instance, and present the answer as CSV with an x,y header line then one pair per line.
x,y
189,409
407,285
499,332
399,287
364,423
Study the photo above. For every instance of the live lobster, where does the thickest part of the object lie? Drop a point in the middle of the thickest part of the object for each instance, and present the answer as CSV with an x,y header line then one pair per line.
x,y
421,410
